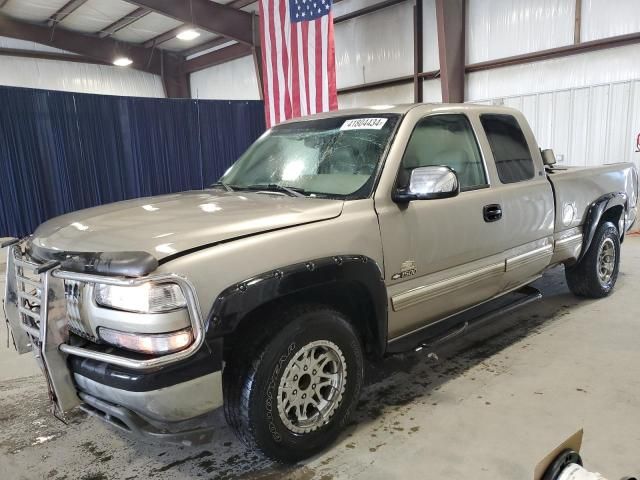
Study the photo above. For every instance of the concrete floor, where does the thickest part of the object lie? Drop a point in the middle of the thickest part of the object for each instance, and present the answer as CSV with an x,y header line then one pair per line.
x,y
496,401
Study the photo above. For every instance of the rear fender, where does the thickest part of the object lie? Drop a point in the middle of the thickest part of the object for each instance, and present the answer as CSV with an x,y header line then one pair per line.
x,y
597,210
237,301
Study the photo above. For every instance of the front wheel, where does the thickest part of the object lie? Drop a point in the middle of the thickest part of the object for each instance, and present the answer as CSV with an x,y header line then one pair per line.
x,y
596,273
296,392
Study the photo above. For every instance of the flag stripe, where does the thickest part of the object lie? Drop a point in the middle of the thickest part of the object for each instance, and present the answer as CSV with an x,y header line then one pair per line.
x,y
301,70
286,45
325,46
320,47
295,73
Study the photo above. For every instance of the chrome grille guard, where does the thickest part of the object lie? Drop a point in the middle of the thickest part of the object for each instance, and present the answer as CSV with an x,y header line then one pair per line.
x,y
36,309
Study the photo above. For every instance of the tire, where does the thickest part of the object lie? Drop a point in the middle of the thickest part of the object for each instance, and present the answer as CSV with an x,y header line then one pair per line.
x,y
264,394
593,276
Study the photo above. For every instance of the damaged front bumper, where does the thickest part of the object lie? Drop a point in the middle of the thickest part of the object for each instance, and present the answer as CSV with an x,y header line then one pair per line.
x,y
173,408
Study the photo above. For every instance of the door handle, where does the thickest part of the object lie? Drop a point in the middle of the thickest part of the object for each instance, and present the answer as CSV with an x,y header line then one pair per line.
x,y
492,212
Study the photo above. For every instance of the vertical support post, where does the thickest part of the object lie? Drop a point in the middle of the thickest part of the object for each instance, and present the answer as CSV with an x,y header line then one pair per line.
x,y
450,17
417,52
174,79
577,27
257,54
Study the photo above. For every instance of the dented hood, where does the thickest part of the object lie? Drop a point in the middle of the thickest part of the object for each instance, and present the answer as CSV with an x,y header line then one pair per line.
x,y
170,224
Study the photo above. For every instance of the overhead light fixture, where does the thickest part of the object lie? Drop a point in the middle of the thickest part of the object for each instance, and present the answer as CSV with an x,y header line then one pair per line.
x,y
188,35
122,61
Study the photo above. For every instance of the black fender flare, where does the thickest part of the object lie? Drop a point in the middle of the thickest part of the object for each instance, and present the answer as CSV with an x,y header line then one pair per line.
x,y
595,213
238,300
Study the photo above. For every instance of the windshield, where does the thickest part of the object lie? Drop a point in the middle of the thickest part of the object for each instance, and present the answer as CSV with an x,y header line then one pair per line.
x,y
333,157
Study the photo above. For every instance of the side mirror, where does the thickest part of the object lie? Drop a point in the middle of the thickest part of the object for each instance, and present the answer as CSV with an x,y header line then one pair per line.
x,y
548,157
429,183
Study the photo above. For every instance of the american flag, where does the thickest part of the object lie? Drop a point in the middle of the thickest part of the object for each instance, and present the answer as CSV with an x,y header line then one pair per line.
x,y
298,58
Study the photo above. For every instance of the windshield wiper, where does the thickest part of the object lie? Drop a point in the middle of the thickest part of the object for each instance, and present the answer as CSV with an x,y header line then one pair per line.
x,y
227,187
274,187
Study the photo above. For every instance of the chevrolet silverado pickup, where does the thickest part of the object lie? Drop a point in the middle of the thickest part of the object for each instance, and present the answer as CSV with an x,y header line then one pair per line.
x,y
335,239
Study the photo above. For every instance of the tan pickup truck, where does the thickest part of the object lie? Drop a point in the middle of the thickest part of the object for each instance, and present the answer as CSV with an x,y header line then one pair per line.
x,y
334,239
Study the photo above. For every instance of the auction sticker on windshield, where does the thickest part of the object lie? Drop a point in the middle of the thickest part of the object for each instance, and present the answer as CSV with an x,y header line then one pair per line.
x,y
364,124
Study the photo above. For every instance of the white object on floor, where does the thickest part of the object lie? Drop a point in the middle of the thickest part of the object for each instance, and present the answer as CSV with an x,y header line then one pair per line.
x,y
576,472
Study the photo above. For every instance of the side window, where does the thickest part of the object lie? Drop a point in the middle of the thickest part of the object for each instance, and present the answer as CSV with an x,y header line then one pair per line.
x,y
444,140
509,147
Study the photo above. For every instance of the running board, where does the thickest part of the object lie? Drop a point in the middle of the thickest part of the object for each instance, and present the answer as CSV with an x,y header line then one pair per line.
x,y
452,327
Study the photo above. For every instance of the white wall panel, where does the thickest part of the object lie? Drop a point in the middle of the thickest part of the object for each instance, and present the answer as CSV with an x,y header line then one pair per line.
x,y
430,59
431,91
593,68
607,18
501,28
78,77
33,10
381,96
6,42
585,126
235,80
375,47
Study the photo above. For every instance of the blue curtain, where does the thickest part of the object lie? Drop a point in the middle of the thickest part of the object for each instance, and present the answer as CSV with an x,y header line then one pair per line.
x,y
61,151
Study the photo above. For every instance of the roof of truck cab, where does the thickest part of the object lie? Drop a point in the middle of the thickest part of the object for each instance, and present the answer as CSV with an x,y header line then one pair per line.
x,y
403,109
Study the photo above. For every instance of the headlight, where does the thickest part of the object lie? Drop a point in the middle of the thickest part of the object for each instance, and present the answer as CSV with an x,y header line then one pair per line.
x,y
143,298
155,343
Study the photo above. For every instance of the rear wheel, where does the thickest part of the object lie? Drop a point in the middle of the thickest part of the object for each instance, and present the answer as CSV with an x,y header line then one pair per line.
x,y
291,393
596,273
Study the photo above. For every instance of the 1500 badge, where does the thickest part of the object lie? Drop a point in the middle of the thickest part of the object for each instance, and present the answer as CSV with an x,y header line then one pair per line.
x,y
407,269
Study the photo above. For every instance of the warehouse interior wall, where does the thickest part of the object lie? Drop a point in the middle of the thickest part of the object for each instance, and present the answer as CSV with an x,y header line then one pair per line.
x,y
73,76
371,48
234,80
586,106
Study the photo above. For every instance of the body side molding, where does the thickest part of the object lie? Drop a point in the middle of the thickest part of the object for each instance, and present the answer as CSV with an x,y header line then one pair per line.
x,y
238,300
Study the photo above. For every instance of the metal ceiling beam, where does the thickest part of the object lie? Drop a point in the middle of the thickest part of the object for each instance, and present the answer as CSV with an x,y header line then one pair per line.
x,y
208,15
450,19
240,3
103,49
214,42
171,34
64,57
366,10
123,22
164,37
65,11
217,57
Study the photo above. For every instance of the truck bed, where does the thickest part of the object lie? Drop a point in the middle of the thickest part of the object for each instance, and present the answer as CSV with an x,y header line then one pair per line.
x,y
575,188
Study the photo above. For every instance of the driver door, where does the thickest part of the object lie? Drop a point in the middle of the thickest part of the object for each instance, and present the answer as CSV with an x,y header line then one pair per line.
x,y
441,255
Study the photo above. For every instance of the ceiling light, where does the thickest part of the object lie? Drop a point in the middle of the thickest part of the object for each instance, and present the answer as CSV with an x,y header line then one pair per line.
x,y
122,61
187,35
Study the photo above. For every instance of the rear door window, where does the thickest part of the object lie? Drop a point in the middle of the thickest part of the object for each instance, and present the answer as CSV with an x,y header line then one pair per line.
x,y
509,147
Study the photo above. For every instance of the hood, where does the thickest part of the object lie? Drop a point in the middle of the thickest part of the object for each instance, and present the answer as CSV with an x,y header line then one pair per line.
x,y
169,224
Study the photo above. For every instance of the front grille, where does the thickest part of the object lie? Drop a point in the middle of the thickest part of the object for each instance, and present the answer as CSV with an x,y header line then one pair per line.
x,y
73,292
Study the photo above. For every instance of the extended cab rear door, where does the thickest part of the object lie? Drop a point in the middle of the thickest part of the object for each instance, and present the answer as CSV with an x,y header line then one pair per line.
x,y
440,256
526,196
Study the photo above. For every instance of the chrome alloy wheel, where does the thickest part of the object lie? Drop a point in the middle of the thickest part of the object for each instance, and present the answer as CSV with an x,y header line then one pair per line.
x,y
606,261
312,386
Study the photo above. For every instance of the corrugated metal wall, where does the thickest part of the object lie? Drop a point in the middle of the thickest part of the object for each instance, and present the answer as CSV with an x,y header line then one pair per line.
x,y
585,125
73,76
